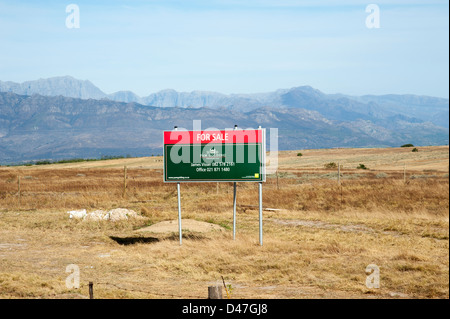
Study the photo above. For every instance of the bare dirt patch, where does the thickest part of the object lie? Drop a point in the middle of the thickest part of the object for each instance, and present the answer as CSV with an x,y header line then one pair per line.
x,y
171,226
323,225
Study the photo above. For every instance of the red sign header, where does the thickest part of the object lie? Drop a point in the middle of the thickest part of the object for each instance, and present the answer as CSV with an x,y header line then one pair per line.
x,y
206,137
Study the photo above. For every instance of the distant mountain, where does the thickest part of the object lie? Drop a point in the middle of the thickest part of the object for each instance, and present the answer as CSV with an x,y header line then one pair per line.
x,y
125,96
332,106
64,85
435,110
58,127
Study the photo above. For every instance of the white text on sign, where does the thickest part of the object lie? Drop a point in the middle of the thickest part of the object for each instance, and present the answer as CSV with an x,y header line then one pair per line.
x,y
212,137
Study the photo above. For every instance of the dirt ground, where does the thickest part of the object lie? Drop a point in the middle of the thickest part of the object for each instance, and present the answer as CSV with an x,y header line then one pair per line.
x,y
190,225
319,236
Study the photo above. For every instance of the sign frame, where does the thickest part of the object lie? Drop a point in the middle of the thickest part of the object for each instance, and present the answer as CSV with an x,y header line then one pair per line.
x,y
259,143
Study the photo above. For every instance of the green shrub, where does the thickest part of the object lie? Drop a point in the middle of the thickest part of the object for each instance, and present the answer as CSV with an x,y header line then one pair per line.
x,y
299,154
408,145
43,162
415,150
362,166
330,165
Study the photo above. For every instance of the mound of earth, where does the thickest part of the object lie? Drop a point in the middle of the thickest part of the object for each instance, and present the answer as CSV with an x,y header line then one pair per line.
x,y
171,226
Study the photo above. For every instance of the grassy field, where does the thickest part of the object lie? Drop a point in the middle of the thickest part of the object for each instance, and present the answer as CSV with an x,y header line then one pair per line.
x,y
317,244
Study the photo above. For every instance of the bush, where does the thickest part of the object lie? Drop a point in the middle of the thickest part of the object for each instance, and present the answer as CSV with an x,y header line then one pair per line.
x,y
330,165
362,166
408,145
299,154
43,162
415,150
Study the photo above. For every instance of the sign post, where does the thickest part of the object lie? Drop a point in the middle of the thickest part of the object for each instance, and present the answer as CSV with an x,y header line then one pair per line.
x,y
179,205
179,212
234,204
234,210
260,215
216,156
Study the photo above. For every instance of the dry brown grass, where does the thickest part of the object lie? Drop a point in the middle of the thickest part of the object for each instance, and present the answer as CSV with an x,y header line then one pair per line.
x,y
317,246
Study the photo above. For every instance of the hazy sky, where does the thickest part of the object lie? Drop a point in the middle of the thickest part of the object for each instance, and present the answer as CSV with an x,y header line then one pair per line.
x,y
231,46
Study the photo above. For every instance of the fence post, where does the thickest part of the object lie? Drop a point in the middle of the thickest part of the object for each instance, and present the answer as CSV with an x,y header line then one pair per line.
x,y
404,173
225,286
215,292
278,187
91,290
339,173
124,181
18,190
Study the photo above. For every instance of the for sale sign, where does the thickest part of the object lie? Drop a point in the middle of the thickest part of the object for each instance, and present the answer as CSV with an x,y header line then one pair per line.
x,y
215,156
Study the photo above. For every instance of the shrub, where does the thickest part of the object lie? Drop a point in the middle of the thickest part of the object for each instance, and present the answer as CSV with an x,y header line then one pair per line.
x,y
43,162
408,145
299,154
415,150
330,165
362,166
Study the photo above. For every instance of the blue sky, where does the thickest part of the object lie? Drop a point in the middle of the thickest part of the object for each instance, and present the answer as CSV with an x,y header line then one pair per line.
x,y
231,46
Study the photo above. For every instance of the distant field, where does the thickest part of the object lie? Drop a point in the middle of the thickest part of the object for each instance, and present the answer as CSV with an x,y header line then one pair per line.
x,y
428,158
317,243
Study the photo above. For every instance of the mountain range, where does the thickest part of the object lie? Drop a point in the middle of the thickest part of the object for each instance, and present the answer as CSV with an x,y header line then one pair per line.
x,y
62,117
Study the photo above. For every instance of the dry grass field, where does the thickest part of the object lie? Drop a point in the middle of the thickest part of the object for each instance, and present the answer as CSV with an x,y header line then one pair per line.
x,y
317,244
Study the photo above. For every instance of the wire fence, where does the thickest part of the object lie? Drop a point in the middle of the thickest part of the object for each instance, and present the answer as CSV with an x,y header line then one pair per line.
x,y
151,293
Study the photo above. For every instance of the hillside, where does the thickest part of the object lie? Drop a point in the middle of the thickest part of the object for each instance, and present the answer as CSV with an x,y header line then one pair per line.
x,y
42,127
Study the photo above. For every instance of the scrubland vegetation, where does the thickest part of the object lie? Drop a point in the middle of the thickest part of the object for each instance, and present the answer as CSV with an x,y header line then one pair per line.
x,y
317,242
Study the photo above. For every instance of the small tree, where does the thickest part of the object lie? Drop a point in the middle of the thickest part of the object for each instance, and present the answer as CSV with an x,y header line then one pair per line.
x,y
330,165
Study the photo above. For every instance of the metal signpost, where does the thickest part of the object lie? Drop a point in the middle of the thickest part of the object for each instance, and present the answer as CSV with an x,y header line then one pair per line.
x,y
216,156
